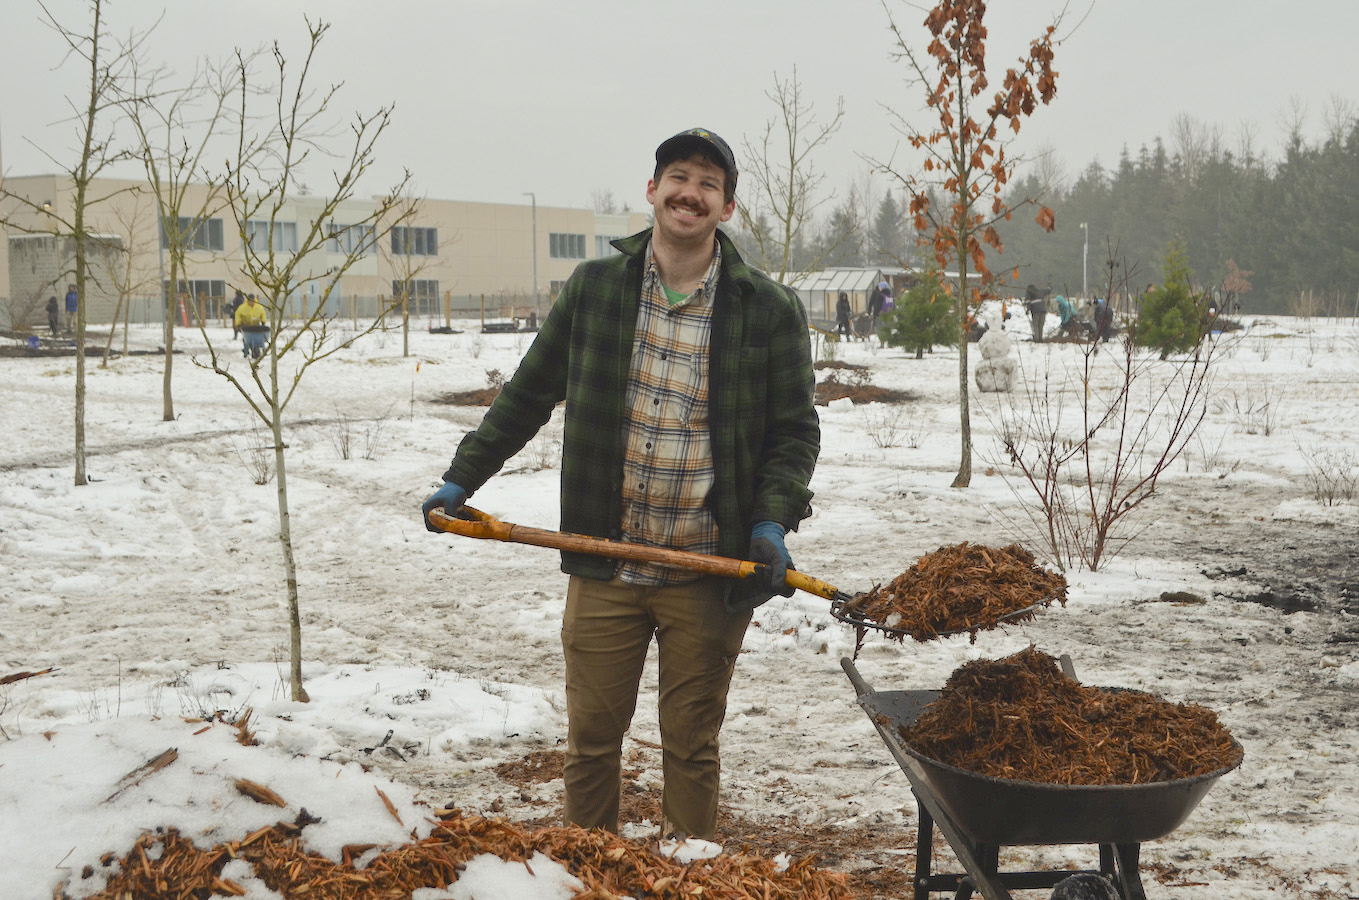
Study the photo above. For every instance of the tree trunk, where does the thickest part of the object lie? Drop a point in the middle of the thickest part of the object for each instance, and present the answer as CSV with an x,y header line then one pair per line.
x,y
285,539
170,291
405,325
82,284
964,477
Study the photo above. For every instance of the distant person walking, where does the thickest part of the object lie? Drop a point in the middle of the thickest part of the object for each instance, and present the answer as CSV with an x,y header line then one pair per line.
x,y
252,321
53,315
72,306
842,312
875,303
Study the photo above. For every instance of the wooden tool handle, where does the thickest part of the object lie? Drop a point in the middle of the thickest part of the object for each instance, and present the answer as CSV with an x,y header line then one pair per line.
x,y
478,524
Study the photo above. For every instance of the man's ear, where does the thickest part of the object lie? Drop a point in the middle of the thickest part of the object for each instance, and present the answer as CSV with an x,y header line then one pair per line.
x,y
728,211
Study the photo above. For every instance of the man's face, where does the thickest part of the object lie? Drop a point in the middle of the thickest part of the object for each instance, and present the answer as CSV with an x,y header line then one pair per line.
x,y
688,199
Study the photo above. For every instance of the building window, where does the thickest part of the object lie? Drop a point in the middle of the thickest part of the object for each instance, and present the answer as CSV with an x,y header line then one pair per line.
x,y
351,240
604,246
285,235
424,294
566,246
415,241
200,234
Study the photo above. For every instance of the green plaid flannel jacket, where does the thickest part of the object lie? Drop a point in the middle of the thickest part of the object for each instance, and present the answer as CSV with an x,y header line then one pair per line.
x,y
763,421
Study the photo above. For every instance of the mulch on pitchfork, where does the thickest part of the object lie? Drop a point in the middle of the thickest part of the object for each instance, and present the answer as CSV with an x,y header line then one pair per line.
x,y
1022,718
962,587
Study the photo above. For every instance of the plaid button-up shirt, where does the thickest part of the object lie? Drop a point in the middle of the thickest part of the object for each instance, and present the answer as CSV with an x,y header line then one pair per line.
x,y
668,461
761,413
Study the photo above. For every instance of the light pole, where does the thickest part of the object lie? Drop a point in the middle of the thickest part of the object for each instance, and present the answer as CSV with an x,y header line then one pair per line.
x,y
534,200
1085,254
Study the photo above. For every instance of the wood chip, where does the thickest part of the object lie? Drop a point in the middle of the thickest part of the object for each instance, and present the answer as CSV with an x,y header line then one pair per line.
x,y
151,766
1022,718
961,588
259,793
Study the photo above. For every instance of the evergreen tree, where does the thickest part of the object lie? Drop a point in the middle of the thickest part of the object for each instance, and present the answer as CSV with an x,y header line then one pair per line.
x,y
1171,317
889,233
922,320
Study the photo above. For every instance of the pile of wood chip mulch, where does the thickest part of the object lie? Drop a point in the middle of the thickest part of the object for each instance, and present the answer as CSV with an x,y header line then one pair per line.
x,y
1022,718
960,588
168,866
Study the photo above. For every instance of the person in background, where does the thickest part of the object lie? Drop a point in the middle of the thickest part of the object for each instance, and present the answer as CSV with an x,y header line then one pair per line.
x,y
888,302
875,303
1036,303
252,320
842,312
236,302
1066,315
690,425
1104,320
72,306
53,315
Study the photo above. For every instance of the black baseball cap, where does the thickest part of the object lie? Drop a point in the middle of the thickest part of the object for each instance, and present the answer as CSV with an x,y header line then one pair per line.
x,y
702,139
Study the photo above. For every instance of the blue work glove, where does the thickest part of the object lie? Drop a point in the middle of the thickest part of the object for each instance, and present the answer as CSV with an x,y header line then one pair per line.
x,y
448,499
766,548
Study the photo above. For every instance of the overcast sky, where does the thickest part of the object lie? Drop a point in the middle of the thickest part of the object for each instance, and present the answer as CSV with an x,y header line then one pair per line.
x,y
495,98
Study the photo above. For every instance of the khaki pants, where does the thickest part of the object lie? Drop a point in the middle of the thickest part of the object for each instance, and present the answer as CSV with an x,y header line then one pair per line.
x,y
606,632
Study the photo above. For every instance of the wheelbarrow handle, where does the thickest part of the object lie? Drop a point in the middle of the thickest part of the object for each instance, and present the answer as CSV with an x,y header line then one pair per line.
x,y
474,523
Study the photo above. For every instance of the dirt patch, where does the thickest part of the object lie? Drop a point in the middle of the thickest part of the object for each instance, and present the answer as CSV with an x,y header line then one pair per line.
x,y
539,767
839,364
827,391
480,397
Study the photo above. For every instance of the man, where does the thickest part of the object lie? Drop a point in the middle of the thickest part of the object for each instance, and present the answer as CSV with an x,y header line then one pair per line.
x,y
690,425
842,313
1104,320
72,307
1035,301
52,315
252,321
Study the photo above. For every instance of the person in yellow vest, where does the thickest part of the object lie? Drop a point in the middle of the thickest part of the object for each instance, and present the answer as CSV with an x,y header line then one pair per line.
x,y
251,320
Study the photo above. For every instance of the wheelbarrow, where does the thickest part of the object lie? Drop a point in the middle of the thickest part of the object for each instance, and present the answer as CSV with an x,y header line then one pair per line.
x,y
979,814
474,523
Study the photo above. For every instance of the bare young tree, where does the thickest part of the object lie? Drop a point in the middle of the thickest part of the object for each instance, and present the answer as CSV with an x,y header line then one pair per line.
x,y
1135,414
260,181
406,265
958,198
108,63
128,271
175,127
782,193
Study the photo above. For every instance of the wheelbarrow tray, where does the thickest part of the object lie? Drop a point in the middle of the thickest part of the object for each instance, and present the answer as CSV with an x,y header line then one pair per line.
x,y
1003,811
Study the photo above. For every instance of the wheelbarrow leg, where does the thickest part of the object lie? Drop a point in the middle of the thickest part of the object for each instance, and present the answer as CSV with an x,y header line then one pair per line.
x,y
1127,880
924,852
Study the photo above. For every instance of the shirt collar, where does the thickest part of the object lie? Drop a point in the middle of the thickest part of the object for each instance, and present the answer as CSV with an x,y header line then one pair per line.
x,y
707,288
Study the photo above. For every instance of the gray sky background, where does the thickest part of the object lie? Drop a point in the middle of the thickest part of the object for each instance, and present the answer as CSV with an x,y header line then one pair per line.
x,y
565,98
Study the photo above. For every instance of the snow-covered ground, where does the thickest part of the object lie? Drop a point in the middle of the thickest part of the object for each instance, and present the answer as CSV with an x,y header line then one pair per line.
x,y
157,595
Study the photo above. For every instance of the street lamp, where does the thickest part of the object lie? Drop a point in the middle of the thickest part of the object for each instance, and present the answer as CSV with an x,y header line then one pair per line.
x,y
1085,254
534,200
